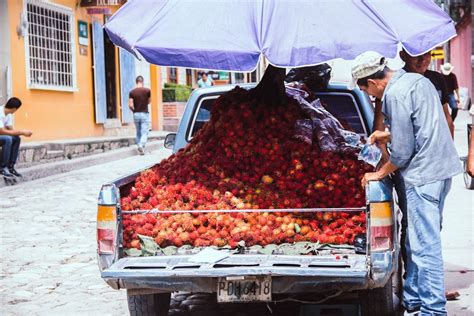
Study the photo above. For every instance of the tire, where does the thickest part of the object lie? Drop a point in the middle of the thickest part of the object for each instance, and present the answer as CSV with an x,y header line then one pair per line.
x,y
149,305
378,301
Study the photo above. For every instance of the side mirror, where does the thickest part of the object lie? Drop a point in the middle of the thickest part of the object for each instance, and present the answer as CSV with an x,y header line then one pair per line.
x,y
170,139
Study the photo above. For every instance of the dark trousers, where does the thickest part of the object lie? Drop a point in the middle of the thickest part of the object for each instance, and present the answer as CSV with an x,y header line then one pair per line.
x,y
453,104
10,148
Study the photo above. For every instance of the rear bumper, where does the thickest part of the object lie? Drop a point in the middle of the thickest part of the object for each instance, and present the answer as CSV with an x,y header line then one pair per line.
x,y
290,274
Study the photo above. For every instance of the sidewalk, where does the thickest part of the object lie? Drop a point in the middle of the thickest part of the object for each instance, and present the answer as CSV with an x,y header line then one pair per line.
x,y
41,159
458,234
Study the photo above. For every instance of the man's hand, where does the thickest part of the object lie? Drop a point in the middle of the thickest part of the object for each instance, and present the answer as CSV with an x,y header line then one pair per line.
x,y
470,157
26,133
470,168
379,137
370,176
384,171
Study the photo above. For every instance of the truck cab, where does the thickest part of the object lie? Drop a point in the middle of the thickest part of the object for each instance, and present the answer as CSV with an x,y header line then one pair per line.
x,y
368,272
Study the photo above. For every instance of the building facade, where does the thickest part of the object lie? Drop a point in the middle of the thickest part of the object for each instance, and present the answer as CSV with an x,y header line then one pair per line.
x,y
73,82
460,51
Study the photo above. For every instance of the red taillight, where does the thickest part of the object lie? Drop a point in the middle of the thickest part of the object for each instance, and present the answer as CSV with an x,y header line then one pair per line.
x,y
106,229
381,226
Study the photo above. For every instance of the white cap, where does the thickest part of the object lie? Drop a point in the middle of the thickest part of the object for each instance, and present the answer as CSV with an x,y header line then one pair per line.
x,y
446,68
366,64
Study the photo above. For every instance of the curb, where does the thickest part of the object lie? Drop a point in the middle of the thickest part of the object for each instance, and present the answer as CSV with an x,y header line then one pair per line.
x,y
53,168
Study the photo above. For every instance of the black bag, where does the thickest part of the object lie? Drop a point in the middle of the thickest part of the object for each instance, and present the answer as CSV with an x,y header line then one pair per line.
x,y
316,78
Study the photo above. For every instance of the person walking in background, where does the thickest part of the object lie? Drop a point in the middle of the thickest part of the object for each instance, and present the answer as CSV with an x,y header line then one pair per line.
x,y
10,138
139,98
453,88
205,81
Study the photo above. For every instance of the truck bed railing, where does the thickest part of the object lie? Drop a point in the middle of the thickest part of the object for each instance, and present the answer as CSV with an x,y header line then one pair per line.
x,y
168,266
292,210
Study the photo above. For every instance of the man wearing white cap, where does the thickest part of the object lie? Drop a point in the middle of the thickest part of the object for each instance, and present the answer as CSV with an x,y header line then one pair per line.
x,y
453,88
422,149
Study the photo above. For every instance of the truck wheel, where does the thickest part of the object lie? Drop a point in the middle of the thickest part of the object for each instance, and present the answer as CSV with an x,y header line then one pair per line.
x,y
149,305
378,301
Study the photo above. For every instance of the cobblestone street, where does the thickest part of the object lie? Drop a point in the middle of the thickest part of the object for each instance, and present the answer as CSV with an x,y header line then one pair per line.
x,y
48,245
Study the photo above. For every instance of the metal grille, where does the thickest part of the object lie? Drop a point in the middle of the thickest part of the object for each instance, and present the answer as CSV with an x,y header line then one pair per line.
x,y
50,46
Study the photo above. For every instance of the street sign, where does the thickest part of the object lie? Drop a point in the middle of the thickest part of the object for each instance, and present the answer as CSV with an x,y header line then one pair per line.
x,y
101,3
83,31
105,11
223,75
437,53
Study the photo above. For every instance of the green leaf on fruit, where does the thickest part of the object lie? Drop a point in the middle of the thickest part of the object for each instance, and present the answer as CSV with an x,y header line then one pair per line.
x,y
304,248
297,228
288,249
299,248
133,252
268,249
169,251
185,247
256,248
149,245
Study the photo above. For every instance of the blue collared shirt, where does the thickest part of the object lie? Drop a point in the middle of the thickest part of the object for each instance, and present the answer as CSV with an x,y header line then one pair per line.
x,y
421,144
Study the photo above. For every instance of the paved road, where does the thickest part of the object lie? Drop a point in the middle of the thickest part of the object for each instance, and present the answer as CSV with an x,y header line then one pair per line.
x,y
47,246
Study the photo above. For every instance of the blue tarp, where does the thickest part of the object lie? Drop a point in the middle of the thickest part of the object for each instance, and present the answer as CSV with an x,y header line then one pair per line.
x,y
233,34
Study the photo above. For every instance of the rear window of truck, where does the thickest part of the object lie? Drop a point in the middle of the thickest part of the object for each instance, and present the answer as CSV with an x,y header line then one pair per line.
x,y
342,105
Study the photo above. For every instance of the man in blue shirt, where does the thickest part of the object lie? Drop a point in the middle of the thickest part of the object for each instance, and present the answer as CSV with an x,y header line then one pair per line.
x,y
422,149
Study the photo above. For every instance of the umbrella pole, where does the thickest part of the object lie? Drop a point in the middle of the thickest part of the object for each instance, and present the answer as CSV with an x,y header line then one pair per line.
x,y
271,89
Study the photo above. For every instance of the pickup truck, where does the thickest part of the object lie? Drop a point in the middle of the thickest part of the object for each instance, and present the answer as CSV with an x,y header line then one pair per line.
x,y
368,274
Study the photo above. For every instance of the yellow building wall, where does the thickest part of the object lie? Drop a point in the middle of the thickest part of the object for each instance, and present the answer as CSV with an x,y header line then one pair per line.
x,y
54,114
156,97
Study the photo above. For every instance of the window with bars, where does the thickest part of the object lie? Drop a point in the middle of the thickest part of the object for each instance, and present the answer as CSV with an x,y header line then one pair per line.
x,y
50,46
172,75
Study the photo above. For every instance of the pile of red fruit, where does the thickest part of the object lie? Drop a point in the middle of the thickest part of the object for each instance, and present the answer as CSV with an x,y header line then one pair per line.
x,y
254,228
247,157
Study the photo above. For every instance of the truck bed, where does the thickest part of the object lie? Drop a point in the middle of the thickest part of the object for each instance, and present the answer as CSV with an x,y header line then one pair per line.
x,y
331,266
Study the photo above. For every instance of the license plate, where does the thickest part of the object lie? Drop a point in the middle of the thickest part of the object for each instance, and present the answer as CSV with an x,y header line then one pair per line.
x,y
248,289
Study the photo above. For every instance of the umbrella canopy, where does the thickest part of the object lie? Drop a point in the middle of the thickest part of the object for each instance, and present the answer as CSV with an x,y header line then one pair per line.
x,y
232,35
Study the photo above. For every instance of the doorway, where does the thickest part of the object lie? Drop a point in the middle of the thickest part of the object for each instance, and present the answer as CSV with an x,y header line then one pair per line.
x,y
110,77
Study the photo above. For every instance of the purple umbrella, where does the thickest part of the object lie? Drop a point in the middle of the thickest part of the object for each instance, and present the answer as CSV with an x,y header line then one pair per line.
x,y
232,35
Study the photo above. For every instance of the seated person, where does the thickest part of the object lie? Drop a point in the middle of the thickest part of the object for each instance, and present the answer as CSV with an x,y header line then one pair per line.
x,y
10,138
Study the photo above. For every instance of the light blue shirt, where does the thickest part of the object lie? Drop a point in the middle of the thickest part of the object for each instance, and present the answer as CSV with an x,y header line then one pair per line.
x,y
205,84
421,144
